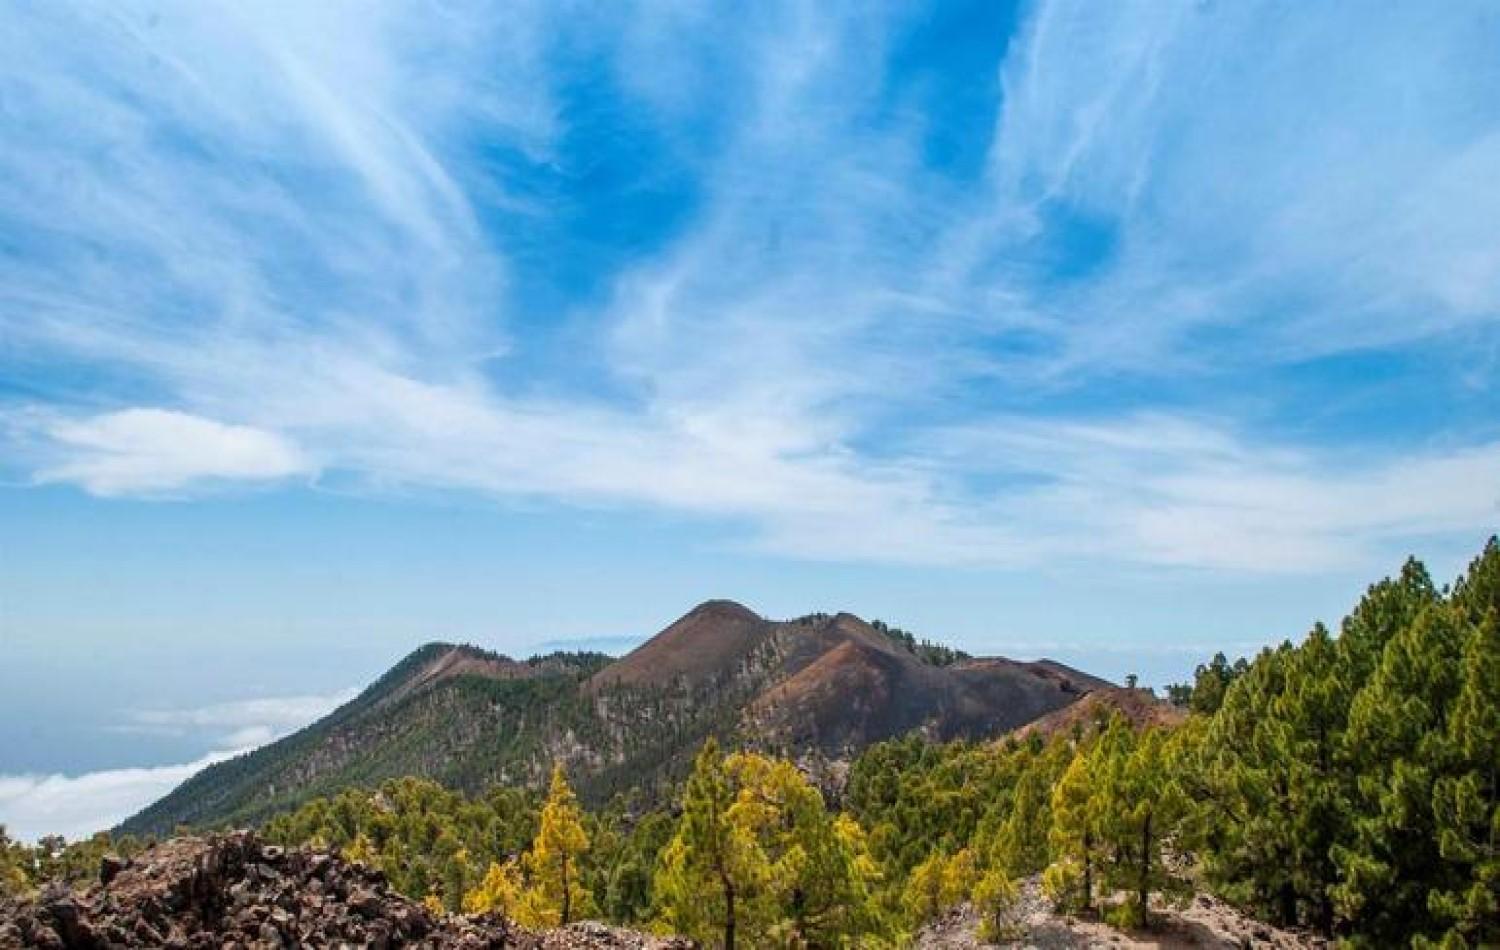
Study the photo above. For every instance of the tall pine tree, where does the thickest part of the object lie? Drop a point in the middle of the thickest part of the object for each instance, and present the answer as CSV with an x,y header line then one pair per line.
x,y
557,891
1466,802
1074,835
1399,741
713,874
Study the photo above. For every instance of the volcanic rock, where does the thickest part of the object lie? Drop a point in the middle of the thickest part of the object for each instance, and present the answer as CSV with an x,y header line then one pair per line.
x,y
235,890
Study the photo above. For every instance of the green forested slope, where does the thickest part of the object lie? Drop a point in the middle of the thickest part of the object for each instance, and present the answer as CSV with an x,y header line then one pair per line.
x,y
468,731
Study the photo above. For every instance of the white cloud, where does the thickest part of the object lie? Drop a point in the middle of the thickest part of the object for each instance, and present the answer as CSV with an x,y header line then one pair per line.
x,y
32,806
76,806
139,451
1185,492
242,723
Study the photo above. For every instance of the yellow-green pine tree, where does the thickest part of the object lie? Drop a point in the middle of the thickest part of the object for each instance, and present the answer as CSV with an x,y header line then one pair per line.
x,y
499,892
923,897
13,876
712,877
938,883
560,842
820,876
361,851
1074,837
995,896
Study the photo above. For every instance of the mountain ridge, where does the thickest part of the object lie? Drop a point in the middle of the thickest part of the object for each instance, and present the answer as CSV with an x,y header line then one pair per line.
x,y
821,685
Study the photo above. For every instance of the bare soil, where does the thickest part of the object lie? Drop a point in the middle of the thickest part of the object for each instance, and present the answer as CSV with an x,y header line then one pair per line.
x,y
1205,922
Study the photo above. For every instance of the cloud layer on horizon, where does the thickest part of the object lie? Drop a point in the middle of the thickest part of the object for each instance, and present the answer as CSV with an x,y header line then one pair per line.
x,y
1129,306
76,806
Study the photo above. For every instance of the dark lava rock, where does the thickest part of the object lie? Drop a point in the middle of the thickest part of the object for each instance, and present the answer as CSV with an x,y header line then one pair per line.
x,y
235,890
110,867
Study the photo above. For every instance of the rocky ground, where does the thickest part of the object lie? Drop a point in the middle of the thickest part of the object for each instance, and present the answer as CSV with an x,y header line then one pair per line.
x,y
1204,922
235,891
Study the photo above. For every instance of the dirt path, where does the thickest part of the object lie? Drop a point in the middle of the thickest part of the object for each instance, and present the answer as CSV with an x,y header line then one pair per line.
x,y
1206,922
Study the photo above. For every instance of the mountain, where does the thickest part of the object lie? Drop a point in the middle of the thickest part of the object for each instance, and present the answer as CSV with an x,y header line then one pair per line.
x,y
819,685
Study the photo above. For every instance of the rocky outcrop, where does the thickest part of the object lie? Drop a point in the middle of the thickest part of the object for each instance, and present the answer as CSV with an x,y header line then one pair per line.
x,y
236,891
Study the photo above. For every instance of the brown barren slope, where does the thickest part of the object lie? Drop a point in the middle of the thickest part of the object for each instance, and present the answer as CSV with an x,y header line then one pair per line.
x,y
462,661
713,638
1140,706
841,684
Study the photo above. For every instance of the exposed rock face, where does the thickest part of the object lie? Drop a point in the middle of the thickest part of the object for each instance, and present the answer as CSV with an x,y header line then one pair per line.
x,y
235,891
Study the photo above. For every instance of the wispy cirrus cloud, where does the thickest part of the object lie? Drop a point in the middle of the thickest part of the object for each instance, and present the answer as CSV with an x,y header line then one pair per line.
x,y
141,451
245,244
1289,176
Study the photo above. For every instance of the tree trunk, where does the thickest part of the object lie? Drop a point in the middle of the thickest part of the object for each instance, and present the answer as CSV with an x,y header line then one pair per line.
x,y
1325,913
799,916
1088,870
728,916
1143,887
567,896
1286,901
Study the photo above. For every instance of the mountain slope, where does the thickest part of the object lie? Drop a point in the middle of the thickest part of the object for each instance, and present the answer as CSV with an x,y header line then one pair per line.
x,y
446,711
1140,707
471,719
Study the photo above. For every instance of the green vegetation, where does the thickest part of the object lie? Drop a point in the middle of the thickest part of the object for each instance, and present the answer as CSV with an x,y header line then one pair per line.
x,y
1210,682
757,859
1349,784
933,654
24,867
928,651
506,723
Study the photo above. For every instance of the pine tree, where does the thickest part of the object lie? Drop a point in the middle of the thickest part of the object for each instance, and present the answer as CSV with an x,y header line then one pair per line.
x,y
361,851
1311,775
453,869
14,878
555,855
1477,593
995,898
1386,609
938,883
713,873
1140,809
1242,824
820,873
1021,846
499,892
1466,803
1074,836
1398,734
1211,682
923,896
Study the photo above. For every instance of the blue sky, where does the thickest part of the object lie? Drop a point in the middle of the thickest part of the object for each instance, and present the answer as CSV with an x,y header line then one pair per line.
x,y
1112,332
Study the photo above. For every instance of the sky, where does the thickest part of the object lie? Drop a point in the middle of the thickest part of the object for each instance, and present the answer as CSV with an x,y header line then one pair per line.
x,y
1119,333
